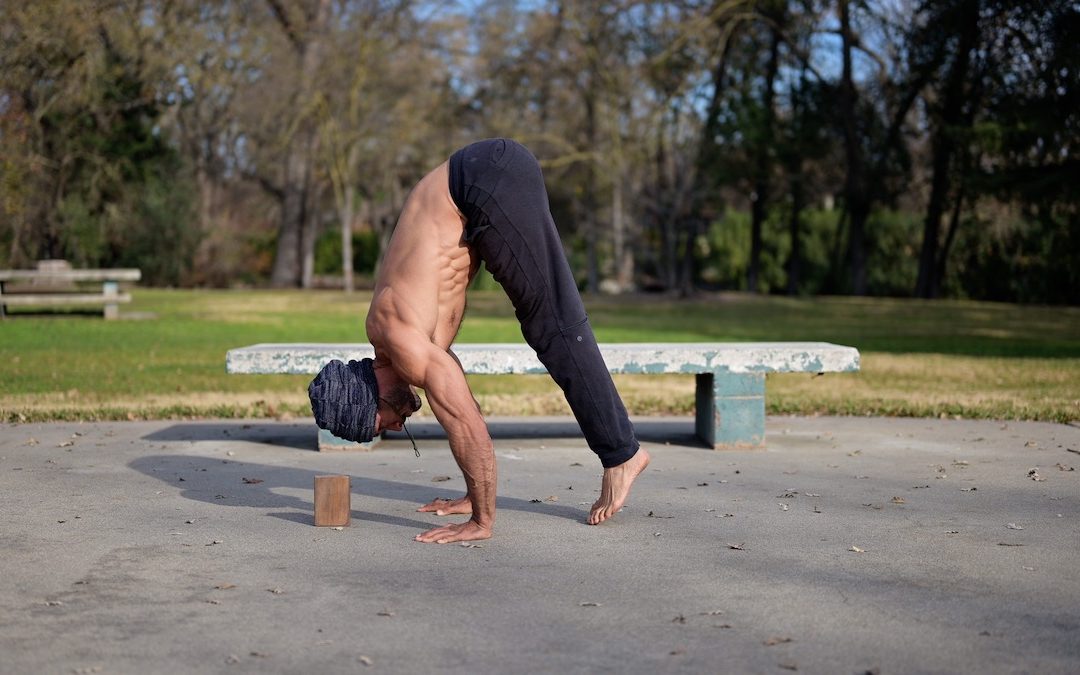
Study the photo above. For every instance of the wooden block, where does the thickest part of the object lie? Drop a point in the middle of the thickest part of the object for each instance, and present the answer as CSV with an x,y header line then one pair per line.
x,y
332,501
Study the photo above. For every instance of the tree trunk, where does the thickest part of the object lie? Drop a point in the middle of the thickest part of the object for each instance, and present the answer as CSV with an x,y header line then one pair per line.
x,y
763,167
794,264
624,260
954,223
928,284
347,217
855,186
663,212
592,283
289,260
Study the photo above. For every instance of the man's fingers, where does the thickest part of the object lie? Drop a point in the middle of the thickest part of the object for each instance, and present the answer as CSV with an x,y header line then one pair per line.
x,y
438,535
434,505
450,533
447,507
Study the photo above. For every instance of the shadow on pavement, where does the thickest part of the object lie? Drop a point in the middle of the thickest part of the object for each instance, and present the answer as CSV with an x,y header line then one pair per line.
x,y
301,435
248,484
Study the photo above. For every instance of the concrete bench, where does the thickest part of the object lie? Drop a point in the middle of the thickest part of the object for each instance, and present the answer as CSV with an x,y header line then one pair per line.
x,y
57,286
730,377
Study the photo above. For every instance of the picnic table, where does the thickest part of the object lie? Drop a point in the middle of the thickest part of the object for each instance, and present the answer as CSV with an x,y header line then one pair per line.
x,y
56,284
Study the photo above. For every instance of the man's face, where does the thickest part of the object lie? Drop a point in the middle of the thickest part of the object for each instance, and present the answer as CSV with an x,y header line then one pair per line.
x,y
386,418
391,417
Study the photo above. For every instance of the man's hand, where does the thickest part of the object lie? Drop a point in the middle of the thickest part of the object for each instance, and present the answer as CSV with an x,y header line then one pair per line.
x,y
448,507
469,531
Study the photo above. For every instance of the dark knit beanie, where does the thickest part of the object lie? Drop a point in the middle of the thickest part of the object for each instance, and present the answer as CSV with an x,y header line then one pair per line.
x,y
344,399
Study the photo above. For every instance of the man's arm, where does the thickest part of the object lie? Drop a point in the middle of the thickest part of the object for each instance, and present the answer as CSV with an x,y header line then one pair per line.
x,y
423,364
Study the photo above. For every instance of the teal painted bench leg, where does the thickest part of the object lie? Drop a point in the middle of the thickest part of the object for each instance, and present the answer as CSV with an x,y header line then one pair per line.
x,y
111,289
328,442
730,409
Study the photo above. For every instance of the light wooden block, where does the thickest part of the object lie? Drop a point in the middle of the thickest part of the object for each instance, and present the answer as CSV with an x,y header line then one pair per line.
x,y
332,501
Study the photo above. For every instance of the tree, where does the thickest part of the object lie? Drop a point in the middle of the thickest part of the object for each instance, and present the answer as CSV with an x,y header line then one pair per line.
x,y
97,183
956,24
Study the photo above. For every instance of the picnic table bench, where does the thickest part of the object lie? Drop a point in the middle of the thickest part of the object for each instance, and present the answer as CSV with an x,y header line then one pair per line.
x,y
730,377
55,284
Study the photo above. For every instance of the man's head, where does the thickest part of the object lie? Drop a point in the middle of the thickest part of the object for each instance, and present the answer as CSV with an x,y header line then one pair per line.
x,y
358,400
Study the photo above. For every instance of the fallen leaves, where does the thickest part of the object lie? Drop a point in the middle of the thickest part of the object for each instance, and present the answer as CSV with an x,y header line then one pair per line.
x,y
589,604
773,641
899,500
1033,474
856,549
737,547
1014,526
439,479
1062,467
224,586
252,481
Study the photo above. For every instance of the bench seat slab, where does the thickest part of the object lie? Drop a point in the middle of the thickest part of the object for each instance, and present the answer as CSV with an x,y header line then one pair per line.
x,y
729,377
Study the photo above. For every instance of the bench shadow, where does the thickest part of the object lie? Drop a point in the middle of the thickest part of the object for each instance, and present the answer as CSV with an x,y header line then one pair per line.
x,y
301,435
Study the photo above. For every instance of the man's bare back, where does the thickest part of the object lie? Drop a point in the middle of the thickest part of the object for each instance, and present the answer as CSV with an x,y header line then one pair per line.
x,y
415,313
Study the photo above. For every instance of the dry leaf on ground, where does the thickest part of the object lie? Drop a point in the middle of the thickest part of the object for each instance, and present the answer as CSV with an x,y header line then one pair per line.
x,y
773,641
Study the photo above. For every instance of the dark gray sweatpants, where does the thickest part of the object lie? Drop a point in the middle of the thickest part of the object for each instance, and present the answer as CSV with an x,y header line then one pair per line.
x,y
498,186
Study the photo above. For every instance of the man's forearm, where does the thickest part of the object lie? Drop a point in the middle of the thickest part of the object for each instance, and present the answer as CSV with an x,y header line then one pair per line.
x,y
476,459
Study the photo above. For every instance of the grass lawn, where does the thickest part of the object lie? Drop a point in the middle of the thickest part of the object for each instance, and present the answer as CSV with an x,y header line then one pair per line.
x,y
166,360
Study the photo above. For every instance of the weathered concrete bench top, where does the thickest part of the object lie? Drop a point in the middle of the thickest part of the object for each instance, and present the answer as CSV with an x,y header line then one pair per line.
x,y
730,377
647,358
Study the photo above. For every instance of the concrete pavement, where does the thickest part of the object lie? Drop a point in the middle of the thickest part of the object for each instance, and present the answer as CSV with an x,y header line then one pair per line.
x,y
850,545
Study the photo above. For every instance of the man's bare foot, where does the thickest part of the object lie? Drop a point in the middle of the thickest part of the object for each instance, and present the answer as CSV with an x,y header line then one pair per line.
x,y
447,507
445,534
615,487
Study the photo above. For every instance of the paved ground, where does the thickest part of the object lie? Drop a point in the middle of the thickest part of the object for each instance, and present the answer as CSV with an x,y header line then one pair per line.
x,y
849,546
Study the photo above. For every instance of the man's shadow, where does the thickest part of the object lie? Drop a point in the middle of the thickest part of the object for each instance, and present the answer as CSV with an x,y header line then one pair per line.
x,y
225,482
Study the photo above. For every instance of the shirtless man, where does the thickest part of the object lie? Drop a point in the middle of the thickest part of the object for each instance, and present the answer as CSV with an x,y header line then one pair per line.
x,y
486,203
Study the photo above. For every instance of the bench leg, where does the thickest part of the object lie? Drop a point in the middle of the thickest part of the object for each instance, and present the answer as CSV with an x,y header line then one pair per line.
x,y
328,442
111,289
730,410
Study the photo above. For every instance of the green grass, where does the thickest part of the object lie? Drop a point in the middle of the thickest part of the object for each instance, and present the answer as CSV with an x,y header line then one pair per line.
x,y
920,358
